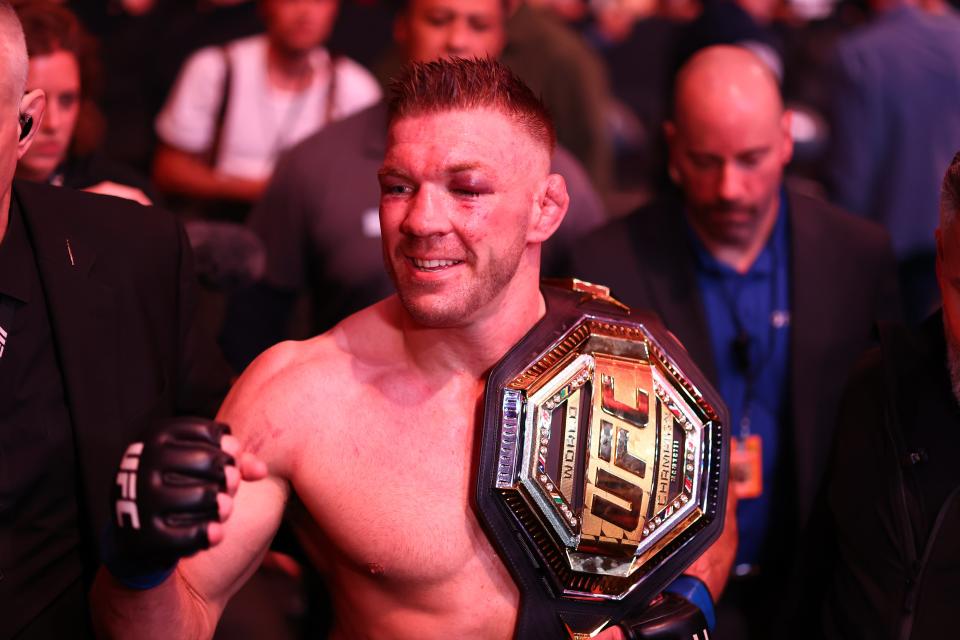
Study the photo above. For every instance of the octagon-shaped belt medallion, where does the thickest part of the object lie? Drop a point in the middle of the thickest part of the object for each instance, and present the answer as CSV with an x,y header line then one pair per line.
x,y
603,462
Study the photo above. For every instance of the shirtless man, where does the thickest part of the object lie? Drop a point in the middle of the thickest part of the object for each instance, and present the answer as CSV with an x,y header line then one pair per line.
x,y
373,425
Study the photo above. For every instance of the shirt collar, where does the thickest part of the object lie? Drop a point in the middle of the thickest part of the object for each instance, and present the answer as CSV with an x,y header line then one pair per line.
x,y
773,251
16,258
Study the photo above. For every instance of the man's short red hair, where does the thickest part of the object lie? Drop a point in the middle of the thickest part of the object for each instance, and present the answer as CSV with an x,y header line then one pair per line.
x,y
460,84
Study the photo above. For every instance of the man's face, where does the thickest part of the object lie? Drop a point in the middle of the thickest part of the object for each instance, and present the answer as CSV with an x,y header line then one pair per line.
x,y
458,189
435,29
58,75
729,163
297,26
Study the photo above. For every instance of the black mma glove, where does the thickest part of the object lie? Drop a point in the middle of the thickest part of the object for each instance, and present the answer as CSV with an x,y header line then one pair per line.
x,y
683,612
164,497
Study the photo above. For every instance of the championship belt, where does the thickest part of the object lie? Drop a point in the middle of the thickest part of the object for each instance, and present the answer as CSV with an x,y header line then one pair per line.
x,y
603,465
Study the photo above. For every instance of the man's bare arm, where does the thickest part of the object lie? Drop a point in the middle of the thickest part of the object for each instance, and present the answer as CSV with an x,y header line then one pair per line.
x,y
189,603
714,565
182,173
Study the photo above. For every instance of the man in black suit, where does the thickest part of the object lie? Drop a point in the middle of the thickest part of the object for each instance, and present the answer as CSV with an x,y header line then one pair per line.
x,y
894,483
773,293
96,339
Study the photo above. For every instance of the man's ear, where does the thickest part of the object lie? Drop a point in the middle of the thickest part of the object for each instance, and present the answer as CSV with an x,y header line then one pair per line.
x,y
31,105
551,207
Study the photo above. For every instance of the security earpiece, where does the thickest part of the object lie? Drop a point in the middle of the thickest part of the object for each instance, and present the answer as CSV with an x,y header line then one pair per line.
x,y
26,123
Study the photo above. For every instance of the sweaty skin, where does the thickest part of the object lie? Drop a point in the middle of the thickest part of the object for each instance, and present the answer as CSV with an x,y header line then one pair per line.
x,y
380,456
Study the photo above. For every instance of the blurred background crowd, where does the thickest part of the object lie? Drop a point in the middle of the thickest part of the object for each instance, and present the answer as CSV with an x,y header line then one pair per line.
x,y
262,124
192,104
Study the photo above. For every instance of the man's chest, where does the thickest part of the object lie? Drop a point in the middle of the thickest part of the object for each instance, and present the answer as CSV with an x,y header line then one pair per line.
x,y
394,500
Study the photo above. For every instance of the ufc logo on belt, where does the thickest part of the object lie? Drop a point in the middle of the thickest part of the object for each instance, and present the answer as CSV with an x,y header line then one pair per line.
x,y
127,481
618,481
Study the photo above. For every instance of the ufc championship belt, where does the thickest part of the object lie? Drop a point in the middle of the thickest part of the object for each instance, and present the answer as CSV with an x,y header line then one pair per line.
x,y
603,465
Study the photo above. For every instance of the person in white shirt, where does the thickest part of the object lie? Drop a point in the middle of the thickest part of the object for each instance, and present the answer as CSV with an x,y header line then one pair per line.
x,y
235,108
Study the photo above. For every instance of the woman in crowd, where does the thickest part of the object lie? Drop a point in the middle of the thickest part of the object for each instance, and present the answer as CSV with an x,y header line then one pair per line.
x,y
63,64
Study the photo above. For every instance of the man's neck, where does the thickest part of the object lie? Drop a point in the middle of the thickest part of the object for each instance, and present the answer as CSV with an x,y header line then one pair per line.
x,y
289,70
742,255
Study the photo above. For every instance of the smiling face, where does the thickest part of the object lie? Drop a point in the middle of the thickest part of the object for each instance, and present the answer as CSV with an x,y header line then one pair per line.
x,y
58,75
459,191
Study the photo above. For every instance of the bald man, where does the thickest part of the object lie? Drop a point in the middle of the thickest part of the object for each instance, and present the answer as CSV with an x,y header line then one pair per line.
x,y
773,293
95,337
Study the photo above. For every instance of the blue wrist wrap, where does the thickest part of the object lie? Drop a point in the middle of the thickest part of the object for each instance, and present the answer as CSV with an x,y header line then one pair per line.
x,y
696,592
129,574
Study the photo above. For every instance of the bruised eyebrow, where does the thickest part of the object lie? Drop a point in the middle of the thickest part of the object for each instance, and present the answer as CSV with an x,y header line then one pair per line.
x,y
394,172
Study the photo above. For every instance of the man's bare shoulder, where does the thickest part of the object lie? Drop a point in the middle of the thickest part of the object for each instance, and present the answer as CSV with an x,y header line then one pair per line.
x,y
295,386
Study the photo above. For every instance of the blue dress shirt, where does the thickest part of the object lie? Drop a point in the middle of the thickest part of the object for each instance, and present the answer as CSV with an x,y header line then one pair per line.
x,y
756,307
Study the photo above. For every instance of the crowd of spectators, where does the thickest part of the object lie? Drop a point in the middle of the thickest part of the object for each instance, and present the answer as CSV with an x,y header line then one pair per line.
x,y
869,83
267,118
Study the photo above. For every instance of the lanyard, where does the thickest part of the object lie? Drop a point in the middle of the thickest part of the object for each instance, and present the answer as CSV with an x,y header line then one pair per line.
x,y
750,355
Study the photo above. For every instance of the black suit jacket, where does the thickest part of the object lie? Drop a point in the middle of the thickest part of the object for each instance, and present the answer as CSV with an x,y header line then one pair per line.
x,y
119,286
843,280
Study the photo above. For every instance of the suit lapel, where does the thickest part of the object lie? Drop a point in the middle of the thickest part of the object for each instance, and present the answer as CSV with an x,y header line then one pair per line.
x,y
83,318
808,334
667,268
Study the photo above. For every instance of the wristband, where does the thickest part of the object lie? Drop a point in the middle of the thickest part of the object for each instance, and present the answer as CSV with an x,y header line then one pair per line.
x,y
130,574
695,591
